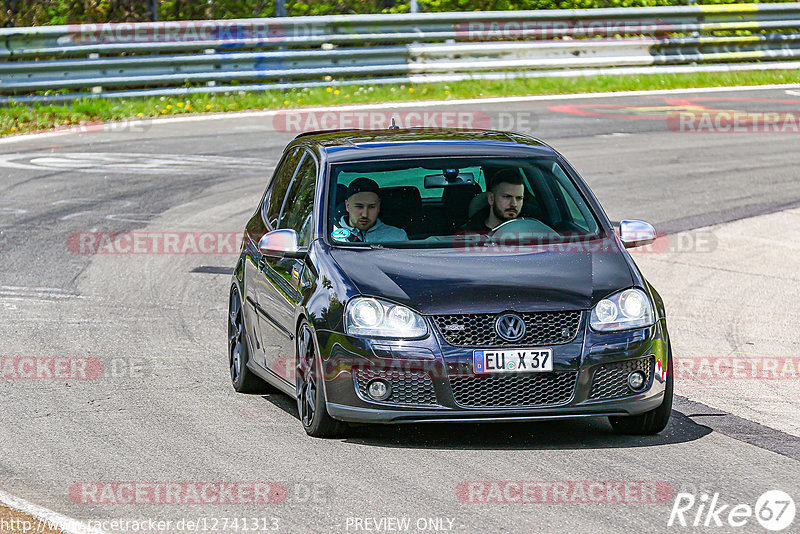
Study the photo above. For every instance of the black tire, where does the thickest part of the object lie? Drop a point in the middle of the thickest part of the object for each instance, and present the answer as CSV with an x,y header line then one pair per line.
x,y
651,422
243,380
311,406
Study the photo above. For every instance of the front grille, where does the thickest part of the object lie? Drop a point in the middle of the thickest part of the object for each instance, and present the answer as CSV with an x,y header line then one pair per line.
x,y
408,387
477,330
514,390
611,380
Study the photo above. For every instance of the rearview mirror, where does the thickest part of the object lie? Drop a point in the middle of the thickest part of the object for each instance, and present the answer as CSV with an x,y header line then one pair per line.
x,y
283,242
434,181
635,233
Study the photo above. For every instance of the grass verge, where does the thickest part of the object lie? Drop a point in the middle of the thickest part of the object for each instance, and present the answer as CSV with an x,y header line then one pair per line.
x,y
21,118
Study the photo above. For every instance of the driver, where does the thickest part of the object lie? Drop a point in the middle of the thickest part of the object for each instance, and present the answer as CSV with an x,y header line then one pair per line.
x,y
505,196
361,223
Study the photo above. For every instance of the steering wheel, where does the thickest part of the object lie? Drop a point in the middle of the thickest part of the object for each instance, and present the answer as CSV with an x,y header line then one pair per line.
x,y
524,227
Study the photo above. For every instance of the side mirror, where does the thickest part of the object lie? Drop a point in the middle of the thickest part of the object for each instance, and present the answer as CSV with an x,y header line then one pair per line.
x,y
283,242
635,233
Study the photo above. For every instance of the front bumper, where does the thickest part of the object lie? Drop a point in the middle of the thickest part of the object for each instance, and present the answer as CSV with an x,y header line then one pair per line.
x,y
435,382
371,415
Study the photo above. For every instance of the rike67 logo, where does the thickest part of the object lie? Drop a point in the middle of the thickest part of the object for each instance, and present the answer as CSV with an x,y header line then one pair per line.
x,y
774,510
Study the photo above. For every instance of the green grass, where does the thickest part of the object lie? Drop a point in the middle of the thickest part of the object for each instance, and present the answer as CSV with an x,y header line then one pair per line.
x,y
20,118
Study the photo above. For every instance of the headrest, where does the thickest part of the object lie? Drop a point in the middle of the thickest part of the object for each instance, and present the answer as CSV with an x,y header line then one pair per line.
x,y
480,202
341,193
403,197
455,197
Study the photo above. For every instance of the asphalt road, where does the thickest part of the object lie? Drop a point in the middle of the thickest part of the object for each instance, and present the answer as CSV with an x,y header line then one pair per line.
x,y
163,409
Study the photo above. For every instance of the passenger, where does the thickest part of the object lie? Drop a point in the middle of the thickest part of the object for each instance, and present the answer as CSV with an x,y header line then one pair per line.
x,y
361,223
505,195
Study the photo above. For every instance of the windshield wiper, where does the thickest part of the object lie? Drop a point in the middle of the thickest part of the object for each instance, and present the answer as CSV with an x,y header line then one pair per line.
x,y
371,246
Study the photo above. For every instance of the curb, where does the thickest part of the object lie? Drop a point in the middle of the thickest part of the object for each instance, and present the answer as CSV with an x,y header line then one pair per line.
x,y
53,519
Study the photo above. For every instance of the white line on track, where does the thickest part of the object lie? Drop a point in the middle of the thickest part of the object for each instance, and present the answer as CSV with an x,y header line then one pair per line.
x,y
36,293
73,201
137,163
426,104
54,519
615,134
73,215
28,288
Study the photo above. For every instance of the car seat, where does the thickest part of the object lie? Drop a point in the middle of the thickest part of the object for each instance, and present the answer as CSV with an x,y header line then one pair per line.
x,y
402,207
456,201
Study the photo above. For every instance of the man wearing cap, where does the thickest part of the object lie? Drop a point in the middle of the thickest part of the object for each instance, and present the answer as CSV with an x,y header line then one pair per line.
x,y
361,223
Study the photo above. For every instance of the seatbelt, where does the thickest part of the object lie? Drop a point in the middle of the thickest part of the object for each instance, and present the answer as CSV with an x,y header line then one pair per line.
x,y
359,236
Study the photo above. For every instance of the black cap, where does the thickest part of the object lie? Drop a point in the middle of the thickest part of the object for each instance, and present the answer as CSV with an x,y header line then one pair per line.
x,y
362,185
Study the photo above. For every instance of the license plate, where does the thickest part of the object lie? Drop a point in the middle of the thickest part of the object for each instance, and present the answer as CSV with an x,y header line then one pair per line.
x,y
512,360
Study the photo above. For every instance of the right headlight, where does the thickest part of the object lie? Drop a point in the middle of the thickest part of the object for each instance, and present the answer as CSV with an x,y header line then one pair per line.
x,y
627,309
366,316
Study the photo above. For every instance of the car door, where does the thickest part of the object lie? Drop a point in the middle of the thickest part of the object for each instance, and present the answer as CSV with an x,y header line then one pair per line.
x,y
264,220
282,279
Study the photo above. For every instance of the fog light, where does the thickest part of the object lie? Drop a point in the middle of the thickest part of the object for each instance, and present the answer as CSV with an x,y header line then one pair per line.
x,y
379,389
637,380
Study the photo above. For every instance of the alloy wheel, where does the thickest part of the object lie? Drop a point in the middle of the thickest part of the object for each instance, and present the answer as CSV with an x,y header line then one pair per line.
x,y
235,336
306,377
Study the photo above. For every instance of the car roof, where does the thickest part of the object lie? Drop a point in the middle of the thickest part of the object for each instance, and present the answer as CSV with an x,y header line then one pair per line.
x,y
354,145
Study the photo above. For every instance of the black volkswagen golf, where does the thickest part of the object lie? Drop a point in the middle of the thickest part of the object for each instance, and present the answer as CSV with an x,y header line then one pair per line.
x,y
399,276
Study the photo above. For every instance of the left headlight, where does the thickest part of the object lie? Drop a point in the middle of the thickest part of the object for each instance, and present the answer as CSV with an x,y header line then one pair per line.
x,y
627,309
366,316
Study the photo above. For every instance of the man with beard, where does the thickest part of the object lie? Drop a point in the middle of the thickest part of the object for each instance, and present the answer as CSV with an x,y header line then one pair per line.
x,y
505,195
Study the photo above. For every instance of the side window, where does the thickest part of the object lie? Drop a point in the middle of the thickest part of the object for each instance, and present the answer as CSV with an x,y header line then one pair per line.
x,y
300,201
578,215
277,190
255,227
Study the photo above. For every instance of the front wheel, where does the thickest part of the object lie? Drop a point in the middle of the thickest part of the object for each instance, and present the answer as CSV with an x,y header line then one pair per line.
x,y
311,405
651,422
242,379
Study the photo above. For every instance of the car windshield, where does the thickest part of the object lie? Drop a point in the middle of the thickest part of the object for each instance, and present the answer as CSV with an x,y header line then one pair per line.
x,y
441,202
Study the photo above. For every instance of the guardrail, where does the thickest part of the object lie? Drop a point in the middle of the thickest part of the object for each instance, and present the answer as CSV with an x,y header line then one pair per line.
x,y
252,54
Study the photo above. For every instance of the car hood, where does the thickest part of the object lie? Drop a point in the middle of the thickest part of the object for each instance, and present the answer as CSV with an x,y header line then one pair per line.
x,y
445,280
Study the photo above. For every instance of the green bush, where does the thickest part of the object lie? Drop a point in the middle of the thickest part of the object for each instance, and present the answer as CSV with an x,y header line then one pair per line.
x,y
45,12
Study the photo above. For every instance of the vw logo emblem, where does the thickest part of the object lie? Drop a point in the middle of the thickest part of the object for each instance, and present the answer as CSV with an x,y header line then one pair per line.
x,y
509,326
